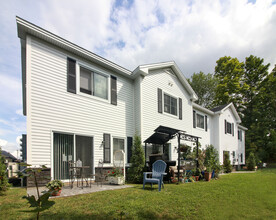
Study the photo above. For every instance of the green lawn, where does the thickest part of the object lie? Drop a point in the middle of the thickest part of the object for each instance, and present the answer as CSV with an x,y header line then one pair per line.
x,y
233,196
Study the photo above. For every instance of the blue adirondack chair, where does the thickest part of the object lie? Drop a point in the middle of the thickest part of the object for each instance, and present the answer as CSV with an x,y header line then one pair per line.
x,y
158,171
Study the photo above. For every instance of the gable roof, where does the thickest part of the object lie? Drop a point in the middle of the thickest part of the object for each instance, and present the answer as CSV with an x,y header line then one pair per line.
x,y
219,108
144,70
222,108
8,155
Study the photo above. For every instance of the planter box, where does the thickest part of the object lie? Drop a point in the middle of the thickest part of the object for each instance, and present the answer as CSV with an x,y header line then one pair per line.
x,y
115,180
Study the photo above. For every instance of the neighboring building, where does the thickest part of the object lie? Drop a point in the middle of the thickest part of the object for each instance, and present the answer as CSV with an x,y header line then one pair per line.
x,y
12,164
23,147
82,106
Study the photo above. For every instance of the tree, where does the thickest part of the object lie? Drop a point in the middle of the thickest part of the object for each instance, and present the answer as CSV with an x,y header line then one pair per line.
x,y
229,73
262,128
204,86
137,160
4,185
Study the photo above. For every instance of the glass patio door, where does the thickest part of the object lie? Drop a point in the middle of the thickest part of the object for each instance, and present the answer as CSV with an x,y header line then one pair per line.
x,y
63,152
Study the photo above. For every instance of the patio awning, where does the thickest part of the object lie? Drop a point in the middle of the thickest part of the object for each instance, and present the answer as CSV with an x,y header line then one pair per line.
x,y
162,135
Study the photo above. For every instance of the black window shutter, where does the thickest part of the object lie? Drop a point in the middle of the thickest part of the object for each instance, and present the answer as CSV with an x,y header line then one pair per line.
x,y
206,128
129,149
107,151
232,129
71,75
225,126
113,90
180,108
159,94
194,119
241,135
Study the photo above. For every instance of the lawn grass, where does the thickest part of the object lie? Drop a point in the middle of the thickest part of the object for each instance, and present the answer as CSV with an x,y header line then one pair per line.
x,y
233,196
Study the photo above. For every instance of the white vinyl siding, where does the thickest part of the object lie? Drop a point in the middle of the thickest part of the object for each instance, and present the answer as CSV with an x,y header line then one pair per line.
x,y
52,108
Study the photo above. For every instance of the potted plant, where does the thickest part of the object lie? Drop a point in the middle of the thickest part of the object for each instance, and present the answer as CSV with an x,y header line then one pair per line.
x,y
54,187
197,174
208,173
115,176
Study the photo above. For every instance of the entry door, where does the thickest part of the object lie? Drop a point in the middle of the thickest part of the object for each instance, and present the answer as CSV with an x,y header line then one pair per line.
x,y
63,152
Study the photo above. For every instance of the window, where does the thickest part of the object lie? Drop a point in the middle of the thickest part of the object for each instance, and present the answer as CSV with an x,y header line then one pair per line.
x,y
241,158
229,130
240,135
200,121
170,104
234,154
93,83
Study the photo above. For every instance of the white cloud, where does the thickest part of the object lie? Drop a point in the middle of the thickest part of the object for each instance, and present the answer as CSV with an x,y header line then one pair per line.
x,y
10,90
10,147
194,35
3,142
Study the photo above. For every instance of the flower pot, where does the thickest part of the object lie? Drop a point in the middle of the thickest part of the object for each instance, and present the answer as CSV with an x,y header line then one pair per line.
x,y
207,176
56,192
196,178
117,180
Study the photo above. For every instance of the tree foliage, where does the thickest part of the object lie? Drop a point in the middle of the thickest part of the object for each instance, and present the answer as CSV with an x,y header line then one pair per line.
x,y
252,90
4,185
135,173
204,86
229,73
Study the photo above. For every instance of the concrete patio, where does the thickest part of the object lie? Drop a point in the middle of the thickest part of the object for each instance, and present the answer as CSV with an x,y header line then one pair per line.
x,y
68,191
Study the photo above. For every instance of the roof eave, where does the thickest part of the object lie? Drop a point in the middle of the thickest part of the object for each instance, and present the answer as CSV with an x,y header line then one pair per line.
x,y
199,107
25,28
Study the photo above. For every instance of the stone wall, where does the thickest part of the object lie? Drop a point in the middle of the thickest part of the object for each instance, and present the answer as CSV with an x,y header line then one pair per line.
x,y
42,177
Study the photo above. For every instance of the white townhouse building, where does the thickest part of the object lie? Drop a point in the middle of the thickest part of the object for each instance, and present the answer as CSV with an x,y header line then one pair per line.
x,y
81,106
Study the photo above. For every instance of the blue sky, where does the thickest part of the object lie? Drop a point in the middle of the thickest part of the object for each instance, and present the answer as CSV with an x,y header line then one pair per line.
x,y
193,33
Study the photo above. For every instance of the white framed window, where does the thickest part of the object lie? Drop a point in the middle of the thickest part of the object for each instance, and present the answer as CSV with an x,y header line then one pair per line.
x,y
93,83
170,104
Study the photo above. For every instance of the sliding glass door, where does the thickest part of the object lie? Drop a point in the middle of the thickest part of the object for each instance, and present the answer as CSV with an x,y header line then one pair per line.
x,y
66,150
63,152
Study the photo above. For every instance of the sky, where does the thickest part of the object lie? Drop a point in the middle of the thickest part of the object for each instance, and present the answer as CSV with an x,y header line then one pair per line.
x,y
193,33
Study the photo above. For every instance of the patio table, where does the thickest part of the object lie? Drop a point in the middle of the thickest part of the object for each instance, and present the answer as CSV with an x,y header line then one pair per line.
x,y
83,177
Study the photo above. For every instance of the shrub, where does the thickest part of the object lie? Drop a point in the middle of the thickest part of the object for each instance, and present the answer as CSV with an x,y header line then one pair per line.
x,y
226,163
4,185
251,162
212,158
135,173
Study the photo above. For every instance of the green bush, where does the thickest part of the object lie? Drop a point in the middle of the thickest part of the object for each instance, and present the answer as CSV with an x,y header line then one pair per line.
x,y
4,184
135,173
251,162
212,158
226,163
